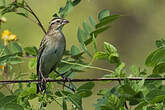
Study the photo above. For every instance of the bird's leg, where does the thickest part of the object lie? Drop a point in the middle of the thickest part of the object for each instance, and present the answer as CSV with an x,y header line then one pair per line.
x,y
43,78
68,79
67,87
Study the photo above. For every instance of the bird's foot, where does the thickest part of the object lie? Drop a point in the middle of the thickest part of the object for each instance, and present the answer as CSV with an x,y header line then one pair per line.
x,y
45,79
69,80
71,85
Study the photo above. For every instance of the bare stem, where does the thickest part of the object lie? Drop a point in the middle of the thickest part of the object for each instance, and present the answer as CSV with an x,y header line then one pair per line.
x,y
32,12
6,70
88,66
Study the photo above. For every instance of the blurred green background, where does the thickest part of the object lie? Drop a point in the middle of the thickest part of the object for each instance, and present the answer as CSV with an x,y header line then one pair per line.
x,y
134,34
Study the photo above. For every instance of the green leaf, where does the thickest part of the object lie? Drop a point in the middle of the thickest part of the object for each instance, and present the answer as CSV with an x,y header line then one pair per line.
x,y
32,63
10,59
153,84
103,13
76,2
82,36
107,20
13,106
4,2
10,8
95,33
85,49
157,99
75,50
94,44
77,68
7,99
64,68
158,56
110,102
154,93
14,47
14,60
100,30
29,91
109,48
134,70
137,98
114,101
106,107
76,99
22,14
65,10
119,68
31,51
86,86
1,95
61,93
113,58
84,93
5,58
160,43
2,7
55,15
4,50
87,28
141,105
64,104
100,55
128,90
92,21
159,69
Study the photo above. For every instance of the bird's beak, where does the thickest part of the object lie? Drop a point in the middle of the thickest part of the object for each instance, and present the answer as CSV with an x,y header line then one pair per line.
x,y
65,21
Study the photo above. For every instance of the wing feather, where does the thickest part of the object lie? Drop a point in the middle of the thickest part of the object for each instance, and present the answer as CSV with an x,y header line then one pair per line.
x,y
41,49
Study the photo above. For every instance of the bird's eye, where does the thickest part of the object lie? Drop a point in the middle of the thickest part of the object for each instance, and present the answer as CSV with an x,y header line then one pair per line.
x,y
58,21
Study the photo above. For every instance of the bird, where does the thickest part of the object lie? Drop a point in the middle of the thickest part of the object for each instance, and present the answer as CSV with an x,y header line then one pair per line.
x,y
51,51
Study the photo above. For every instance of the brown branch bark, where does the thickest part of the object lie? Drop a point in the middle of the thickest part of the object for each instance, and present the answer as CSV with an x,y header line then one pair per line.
x,y
78,80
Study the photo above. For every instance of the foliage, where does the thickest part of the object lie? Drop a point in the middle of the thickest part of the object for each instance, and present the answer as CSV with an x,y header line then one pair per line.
x,y
126,95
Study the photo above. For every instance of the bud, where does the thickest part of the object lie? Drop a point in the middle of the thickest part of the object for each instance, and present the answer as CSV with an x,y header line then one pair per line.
x,y
3,19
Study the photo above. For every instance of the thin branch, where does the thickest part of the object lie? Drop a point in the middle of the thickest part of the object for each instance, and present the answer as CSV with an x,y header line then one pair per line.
x,y
32,12
78,80
88,66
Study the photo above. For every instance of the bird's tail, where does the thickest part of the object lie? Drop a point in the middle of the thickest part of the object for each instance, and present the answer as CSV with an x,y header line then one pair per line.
x,y
41,86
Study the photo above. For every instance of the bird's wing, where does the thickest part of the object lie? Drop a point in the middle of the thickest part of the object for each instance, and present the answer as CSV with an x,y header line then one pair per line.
x,y
41,49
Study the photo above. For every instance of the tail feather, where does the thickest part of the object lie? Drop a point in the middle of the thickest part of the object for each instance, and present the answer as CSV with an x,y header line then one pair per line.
x,y
41,86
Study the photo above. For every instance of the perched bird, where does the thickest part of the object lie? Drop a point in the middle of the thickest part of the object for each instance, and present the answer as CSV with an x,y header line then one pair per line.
x,y
51,50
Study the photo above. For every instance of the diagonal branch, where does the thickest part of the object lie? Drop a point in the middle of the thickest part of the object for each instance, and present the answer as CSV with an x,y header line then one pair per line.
x,y
32,12
78,80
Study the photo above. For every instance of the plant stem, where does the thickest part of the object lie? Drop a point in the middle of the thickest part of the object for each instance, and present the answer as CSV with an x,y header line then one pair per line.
x,y
32,12
88,66
6,71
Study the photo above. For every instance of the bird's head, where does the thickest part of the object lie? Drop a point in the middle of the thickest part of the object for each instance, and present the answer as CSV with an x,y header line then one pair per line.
x,y
57,23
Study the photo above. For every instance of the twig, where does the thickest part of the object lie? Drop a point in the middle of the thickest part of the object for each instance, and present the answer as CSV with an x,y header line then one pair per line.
x,y
88,66
6,71
32,12
78,80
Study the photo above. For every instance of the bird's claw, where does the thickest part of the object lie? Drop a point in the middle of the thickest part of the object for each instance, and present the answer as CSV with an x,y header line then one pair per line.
x,y
70,83
44,79
67,80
